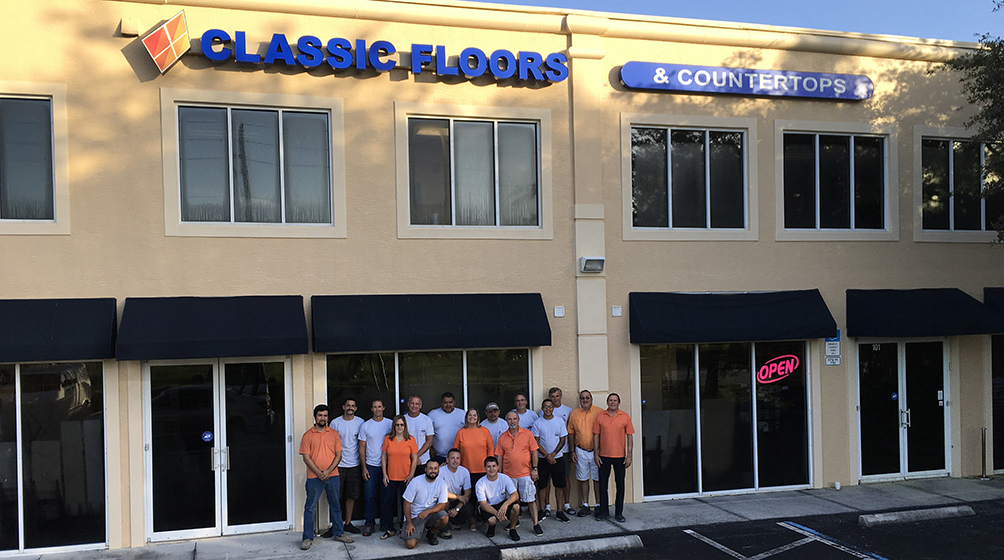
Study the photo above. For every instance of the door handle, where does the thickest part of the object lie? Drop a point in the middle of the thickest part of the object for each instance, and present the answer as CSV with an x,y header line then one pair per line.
x,y
226,458
907,412
212,458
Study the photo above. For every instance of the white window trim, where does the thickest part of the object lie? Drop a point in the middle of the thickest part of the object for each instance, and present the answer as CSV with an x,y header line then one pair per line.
x,y
56,93
171,99
889,131
749,128
942,236
405,230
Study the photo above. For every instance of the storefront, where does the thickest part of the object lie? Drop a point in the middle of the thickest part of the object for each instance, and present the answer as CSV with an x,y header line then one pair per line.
x,y
214,218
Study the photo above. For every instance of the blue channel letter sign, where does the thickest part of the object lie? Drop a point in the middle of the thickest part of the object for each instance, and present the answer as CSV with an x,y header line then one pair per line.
x,y
745,81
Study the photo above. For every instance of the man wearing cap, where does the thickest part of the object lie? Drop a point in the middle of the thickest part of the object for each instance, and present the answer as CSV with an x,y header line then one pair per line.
x,y
493,423
612,446
580,440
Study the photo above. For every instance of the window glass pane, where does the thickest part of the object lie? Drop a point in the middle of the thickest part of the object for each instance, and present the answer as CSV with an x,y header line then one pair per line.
x,y
869,183
497,376
782,422
997,380
878,389
429,171
994,201
799,181
63,454
205,169
429,375
649,182
834,181
8,460
364,377
669,419
968,186
26,181
306,150
934,160
726,416
727,185
256,166
475,179
517,174
689,202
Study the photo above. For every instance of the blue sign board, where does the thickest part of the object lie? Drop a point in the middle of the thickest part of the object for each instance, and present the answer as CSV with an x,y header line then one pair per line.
x,y
207,436
745,81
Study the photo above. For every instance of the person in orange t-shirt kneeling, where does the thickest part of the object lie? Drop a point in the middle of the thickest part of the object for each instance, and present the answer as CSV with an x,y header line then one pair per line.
x,y
321,449
613,443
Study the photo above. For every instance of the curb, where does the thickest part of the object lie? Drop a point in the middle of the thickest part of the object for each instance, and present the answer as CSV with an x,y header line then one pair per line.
x,y
873,519
569,548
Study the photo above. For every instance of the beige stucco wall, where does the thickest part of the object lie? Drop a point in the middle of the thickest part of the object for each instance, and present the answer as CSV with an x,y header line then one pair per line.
x,y
117,246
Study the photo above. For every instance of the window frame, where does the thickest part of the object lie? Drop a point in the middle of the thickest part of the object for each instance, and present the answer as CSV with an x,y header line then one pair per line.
x,y
541,118
888,132
56,95
949,134
746,126
171,102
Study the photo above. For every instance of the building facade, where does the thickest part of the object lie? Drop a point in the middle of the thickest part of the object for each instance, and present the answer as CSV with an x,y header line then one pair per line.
x,y
768,241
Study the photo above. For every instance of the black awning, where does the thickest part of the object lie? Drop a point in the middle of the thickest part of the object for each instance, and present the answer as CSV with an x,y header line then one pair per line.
x,y
371,323
922,312
671,317
994,298
51,330
211,327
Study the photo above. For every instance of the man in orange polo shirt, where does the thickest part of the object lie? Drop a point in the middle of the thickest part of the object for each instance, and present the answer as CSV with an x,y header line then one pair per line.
x,y
613,443
517,451
580,441
321,449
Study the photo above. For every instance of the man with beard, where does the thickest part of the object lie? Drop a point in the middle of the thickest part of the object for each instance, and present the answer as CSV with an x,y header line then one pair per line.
x,y
321,449
425,501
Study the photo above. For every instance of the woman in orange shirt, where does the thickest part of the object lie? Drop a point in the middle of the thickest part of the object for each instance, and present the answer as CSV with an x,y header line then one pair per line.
x,y
400,459
475,445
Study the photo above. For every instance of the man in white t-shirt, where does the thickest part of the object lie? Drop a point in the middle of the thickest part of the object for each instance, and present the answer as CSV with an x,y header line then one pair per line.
x,y
371,436
425,501
493,423
551,433
526,416
498,500
562,411
446,421
419,427
348,425
458,483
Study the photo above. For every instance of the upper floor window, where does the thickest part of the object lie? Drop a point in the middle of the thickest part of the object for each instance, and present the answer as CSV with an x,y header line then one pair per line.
x,y
688,178
26,159
953,187
465,172
254,165
834,181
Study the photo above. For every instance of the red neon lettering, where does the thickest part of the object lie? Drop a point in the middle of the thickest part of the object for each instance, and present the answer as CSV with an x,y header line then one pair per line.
x,y
777,368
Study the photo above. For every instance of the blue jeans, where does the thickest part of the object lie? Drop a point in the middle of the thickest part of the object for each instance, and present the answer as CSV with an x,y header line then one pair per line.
x,y
373,488
315,487
388,503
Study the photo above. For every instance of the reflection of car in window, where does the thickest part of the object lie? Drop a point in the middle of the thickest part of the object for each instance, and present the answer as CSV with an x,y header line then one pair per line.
x,y
248,408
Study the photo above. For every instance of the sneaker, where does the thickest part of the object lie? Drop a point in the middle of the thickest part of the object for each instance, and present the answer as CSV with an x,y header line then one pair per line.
x,y
545,514
490,532
369,530
344,538
352,528
431,537
305,545
560,516
570,510
620,518
445,533
603,517
327,534
584,511
513,534
538,531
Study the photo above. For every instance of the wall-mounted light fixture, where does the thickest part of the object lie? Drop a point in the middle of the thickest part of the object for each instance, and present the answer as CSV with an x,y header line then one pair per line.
x,y
591,264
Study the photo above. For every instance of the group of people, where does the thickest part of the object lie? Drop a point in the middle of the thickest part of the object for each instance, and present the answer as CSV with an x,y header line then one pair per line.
x,y
435,463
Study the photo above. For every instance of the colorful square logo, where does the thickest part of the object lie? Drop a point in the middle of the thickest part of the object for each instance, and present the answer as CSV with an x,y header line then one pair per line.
x,y
168,42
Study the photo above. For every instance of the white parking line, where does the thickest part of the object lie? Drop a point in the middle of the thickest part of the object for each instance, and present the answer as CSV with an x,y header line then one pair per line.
x,y
809,534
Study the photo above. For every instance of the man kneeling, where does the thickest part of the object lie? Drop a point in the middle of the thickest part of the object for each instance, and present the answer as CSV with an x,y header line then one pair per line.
x,y
425,501
497,499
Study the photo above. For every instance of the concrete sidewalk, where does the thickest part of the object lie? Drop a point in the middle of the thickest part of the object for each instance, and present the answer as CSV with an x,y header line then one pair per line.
x,y
686,512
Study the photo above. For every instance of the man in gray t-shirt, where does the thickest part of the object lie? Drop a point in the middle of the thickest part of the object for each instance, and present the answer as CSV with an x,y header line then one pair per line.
x,y
425,504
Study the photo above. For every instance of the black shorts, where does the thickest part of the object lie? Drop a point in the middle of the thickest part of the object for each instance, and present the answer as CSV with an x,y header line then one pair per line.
x,y
485,516
351,479
555,473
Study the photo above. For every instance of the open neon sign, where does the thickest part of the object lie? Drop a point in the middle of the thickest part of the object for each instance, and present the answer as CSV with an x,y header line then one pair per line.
x,y
777,368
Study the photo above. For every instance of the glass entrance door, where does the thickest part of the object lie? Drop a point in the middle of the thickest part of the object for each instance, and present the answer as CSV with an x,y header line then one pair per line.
x,y
218,448
903,417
